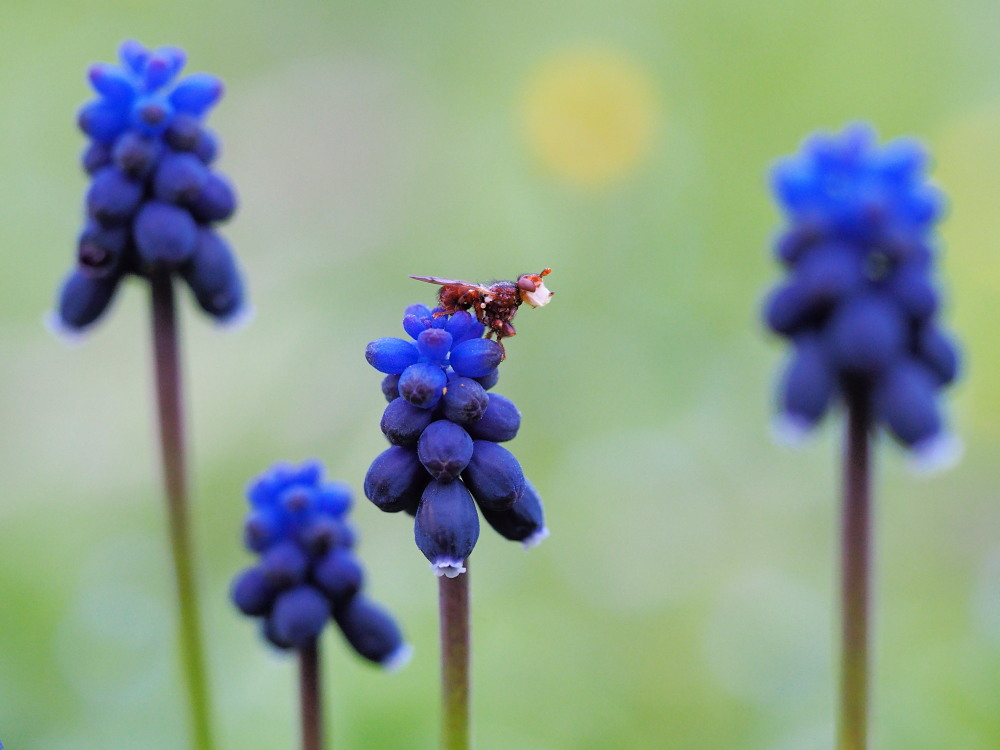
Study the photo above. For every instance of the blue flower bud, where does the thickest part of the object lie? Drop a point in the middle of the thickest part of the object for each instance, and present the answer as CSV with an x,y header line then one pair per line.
x,y
262,529
390,387
83,298
500,422
372,633
905,400
102,120
422,384
446,527
99,250
112,83
418,311
133,55
460,325
183,132
165,235
493,476
391,355
135,154
299,615
464,401
112,197
216,201
214,278
180,178
321,534
434,344
911,288
807,387
787,309
207,148
414,325
828,273
251,592
150,115
524,521
444,449
865,335
474,358
284,565
196,94
490,379
95,156
395,480
339,575
938,353
402,422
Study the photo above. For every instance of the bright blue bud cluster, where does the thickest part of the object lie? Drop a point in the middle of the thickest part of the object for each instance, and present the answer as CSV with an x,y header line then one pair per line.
x,y
860,303
153,197
307,572
444,429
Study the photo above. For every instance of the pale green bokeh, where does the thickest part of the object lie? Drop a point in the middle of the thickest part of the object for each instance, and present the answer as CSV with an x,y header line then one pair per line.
x,y
685,598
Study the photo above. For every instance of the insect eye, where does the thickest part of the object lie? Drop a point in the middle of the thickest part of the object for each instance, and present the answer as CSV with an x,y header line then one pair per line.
x,y
526,284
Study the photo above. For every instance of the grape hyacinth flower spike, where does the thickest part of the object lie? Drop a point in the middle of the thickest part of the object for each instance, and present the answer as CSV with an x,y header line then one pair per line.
x,y
154,197
860,309
306,576
150,212
445,465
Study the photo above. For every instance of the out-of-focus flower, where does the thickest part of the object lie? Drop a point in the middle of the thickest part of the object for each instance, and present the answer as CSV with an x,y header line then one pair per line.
x,y
154,197
589,115
307,573
860,304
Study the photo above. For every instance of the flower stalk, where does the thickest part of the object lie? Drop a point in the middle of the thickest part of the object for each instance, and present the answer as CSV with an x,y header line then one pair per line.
x,y
311,696
455,648
856,526
166,358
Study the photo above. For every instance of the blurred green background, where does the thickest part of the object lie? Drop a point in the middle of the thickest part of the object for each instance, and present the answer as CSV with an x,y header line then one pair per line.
x,y
686,596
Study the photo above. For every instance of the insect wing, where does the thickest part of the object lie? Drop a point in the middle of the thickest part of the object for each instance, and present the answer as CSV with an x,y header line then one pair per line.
x,y
449,282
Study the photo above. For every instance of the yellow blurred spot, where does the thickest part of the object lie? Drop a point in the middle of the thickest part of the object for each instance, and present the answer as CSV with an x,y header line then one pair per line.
x,y
588,115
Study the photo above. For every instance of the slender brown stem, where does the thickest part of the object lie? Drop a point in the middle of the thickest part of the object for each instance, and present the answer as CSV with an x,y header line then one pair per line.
x,y
166,360
311,697
855,575
453,599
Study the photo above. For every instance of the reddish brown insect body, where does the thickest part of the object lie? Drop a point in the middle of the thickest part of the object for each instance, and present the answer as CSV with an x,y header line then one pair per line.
x,y
494,305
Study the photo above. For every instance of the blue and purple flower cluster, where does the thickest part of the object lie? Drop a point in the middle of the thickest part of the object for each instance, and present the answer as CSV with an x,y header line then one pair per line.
x,y
307,572
153,196
860,305
445,431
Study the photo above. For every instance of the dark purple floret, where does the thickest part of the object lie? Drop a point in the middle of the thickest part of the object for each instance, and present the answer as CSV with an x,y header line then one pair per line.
x,y
100,249
423,384
165,234
494,476
395,480
113,198
252,592
524,521
372,633
214,278
339,574
299,615
285,564
402,422
180,178
500,421
83,299
464,401
446,527
444,449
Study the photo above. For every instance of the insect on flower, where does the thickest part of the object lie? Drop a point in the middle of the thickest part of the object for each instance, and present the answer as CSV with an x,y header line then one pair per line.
x,y
495,304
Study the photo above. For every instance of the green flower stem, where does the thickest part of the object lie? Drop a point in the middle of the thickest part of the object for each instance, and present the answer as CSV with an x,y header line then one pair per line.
x,y
453,598
855,575
311,696
171,422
